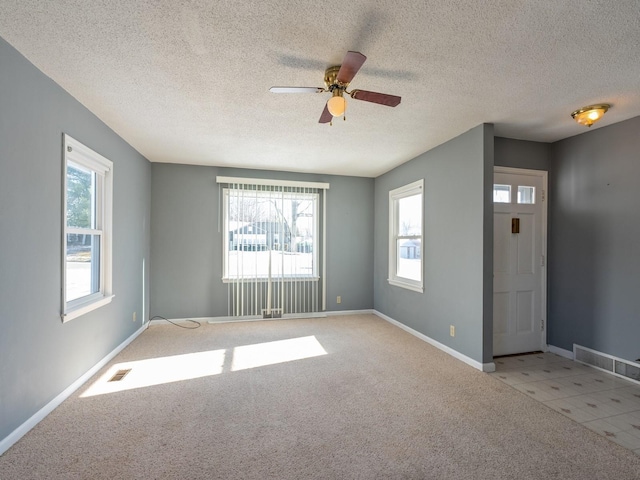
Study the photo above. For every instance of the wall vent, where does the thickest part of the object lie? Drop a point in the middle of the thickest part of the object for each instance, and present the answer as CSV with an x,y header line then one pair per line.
x,y
608,363
120,374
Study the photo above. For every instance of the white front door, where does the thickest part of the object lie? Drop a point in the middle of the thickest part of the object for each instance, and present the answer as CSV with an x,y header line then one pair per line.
x,y
519,229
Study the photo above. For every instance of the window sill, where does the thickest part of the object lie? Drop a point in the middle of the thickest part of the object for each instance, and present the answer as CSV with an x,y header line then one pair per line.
x,y
273,279
408,286
83,308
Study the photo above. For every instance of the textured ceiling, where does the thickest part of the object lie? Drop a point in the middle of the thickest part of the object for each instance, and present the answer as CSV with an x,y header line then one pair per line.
x,y
188,81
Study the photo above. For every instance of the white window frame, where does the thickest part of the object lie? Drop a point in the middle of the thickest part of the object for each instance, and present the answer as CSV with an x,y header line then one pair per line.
x,y
313,276
415,188
76,153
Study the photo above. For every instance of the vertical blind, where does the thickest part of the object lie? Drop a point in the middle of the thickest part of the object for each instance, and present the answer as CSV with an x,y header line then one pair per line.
x,y
273,246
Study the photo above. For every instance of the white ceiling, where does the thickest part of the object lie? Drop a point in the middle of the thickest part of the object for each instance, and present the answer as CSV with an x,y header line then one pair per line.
x,y
187,81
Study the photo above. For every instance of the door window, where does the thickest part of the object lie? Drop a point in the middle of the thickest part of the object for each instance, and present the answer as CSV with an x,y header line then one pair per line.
x,y
526,195
501,193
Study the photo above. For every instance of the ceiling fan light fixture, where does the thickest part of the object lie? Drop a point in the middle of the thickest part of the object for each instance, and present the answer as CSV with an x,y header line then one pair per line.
x,y
337,79
591,114
337,105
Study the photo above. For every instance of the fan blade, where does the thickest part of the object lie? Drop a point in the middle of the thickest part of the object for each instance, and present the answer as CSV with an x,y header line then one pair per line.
x,y
350,66
296,90
380,98
326,117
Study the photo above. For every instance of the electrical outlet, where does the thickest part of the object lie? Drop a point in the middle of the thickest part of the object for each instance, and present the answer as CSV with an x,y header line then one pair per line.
x,y
452,330
135,316
339,299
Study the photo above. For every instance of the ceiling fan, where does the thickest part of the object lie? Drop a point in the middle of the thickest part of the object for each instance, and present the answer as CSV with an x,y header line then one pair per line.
x,y
336,80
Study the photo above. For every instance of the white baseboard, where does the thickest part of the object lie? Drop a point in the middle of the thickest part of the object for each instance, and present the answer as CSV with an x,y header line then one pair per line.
x,y
19,432
258,318
561,351
349,312
162,321
483,367
247,318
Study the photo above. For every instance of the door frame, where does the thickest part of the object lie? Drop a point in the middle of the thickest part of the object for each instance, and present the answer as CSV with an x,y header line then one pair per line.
x,y
544,175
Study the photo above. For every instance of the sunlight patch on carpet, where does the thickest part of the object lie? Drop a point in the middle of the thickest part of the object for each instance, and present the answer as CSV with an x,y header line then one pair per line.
x,y
176,368
156,371
270,353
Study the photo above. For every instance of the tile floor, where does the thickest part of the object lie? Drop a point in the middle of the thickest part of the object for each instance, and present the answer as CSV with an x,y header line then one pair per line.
x,y
606,404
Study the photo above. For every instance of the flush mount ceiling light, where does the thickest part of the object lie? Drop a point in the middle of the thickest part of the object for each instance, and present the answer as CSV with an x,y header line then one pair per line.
x,y
591,114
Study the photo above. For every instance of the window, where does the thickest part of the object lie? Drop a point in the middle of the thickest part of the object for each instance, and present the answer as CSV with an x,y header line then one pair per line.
x,y
405,236
86,245
502,193
270,232
274,246
526,195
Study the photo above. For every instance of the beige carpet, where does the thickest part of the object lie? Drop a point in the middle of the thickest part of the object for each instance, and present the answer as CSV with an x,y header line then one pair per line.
x,y
379,404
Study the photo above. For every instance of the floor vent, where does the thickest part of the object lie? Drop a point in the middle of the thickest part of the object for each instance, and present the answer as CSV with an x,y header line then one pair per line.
x,y
275,313
120,374
608,363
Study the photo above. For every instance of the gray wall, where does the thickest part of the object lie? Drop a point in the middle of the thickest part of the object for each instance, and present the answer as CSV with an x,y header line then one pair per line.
x,y
521,154
186,245
458,245
39,355
594,242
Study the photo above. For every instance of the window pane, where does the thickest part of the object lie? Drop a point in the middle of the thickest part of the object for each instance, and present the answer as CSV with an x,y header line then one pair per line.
x,y
409,252
526,194
502,193
82,265
410,215
271,231
80,197
255,264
